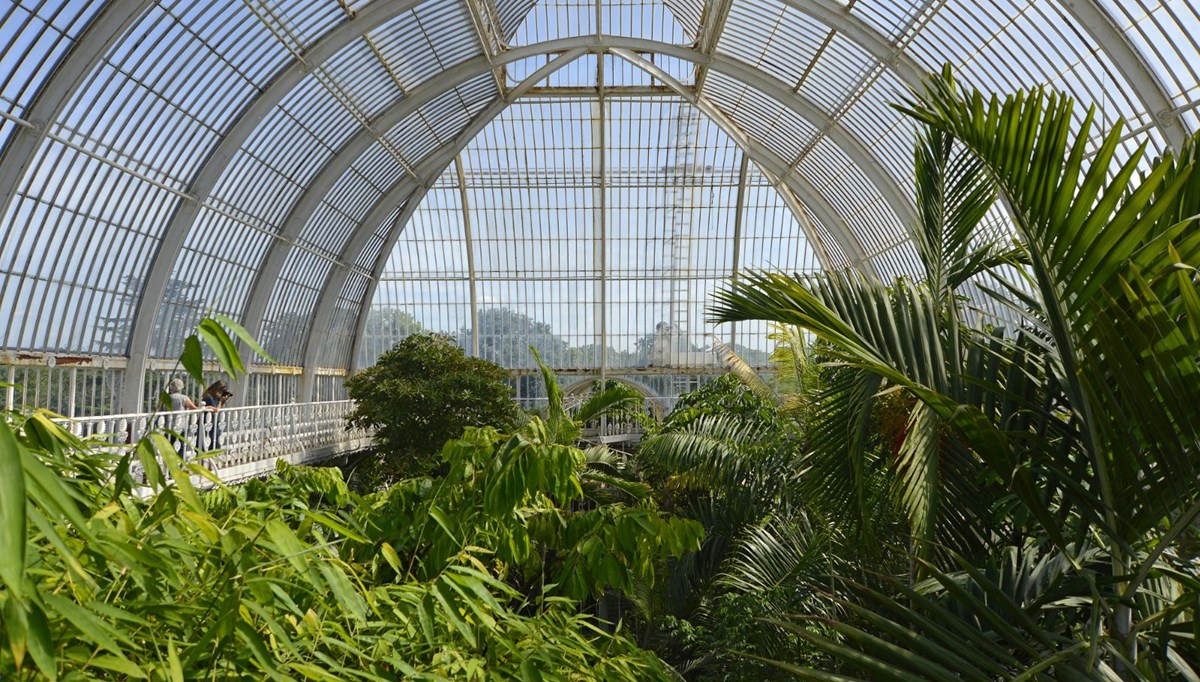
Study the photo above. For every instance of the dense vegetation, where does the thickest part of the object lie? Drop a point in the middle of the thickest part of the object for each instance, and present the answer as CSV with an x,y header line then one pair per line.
x,y
479,573
921,492
1047,470
420,394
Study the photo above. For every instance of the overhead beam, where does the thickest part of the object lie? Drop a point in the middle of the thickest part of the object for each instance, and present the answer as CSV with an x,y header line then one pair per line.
x,y
773,166
104,31
1133,67
485,20
410,192
716,13
456,75
363,21
814,201
769,160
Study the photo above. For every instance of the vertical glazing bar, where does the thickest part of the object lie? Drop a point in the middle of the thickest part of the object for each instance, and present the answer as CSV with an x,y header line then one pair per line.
x,y
739,215
73,381
10,390
470,247
600,155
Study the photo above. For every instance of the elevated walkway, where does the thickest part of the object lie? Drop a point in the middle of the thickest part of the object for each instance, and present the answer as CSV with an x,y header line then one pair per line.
x,y
241,442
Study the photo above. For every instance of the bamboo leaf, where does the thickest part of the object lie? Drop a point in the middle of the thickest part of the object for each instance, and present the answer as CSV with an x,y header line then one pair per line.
x,y
12,512
245,336
223,347
192,358
41,648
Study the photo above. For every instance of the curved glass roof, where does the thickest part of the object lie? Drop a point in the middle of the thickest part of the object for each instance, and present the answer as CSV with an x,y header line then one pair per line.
x,y
311,167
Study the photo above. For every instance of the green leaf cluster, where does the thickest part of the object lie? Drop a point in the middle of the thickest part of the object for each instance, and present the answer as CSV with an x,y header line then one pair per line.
x,y
1047,471
477,575
422,393
516,504
285,578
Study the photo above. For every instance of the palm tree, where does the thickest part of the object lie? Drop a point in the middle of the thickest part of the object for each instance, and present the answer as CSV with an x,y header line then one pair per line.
x,y
1072,437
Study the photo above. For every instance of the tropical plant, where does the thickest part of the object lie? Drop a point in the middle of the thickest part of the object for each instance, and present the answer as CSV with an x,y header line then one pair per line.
x,y
1073,437
294,577
422,393
616,400
507,499
726,458
106,580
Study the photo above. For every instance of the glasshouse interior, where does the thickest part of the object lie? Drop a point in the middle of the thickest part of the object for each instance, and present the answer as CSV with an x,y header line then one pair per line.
x,y
600,339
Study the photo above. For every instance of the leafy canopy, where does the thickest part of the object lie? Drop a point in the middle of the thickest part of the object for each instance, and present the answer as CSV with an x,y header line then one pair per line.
x,y
424,392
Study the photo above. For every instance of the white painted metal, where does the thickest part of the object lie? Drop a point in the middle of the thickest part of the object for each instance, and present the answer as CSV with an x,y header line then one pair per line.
x,y
469,244
600,224
772,166
716,12
101,35
769,161
251,438
111,22
409,193
163,264
1148,86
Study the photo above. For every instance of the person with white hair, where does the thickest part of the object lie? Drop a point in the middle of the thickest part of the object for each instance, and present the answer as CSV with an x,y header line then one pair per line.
x,y
179,400
180,424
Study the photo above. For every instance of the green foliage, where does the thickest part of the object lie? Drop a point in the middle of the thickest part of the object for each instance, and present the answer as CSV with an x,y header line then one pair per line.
x,y
509,500
725,395
383,327
297,578
113,582
1071,446
727,458
422,393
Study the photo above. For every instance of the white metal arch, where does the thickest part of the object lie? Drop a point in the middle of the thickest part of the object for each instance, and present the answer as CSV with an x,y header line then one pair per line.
x,y
365,19
104,31
787,184
109,26
410,191
371,16
331,172
898,200
1132,65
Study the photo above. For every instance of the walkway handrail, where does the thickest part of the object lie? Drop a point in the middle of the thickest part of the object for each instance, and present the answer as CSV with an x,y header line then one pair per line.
x,y
240,435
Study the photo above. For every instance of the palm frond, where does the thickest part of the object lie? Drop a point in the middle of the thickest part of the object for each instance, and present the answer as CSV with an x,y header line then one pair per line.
x,y
1092,227
718,449
792,551
562,428
617,399
745,373
953,194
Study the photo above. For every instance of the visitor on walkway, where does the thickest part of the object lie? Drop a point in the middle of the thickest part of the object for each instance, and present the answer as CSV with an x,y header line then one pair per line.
x,y
214,399
179,402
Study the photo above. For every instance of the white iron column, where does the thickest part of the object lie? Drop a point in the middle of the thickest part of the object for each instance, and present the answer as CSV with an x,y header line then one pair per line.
x,y
600,161
739,215
470,246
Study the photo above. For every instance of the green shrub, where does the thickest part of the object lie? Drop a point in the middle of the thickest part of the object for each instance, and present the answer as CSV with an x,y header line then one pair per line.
x,y
421,394
102,580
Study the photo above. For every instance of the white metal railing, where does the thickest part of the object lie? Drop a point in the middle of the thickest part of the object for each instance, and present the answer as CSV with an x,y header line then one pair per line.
x,y
241,435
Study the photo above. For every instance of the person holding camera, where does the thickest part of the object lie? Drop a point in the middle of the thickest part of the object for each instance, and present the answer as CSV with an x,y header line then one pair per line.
x,y
214,398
